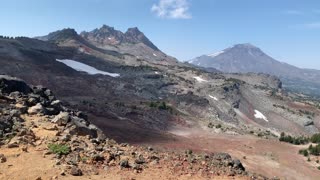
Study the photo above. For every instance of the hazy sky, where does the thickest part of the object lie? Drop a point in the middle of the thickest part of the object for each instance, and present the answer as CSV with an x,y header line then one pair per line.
x,y
288,30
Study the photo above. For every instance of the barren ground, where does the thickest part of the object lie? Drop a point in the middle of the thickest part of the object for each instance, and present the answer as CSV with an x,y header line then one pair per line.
x,y
263,156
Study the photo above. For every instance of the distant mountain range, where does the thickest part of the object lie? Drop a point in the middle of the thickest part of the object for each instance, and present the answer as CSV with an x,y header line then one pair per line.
x,y
243,58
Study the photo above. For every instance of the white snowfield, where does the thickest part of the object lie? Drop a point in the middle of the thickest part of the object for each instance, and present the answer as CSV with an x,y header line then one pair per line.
x,y
154,55
259,115
199,79
213,97
85,68
216,54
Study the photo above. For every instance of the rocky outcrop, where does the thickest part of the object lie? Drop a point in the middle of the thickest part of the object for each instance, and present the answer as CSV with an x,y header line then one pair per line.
x,y
10,84
37,100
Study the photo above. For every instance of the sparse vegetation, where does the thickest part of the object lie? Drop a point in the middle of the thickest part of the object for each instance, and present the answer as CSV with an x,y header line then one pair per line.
x,y
304,152
315,138
210,125
309,114
284,108
59,149
161,106
218,126
314,150
293,140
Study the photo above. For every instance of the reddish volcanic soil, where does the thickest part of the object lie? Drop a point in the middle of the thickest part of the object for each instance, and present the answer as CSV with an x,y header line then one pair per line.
x,y
267,157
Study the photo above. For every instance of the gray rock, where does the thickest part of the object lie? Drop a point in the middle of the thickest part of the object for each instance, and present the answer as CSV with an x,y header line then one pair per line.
x,y
15,94
13,145
32,101
308,123
238,165
61,119
124,163
222,156
56,103
82,127
15,113
37,109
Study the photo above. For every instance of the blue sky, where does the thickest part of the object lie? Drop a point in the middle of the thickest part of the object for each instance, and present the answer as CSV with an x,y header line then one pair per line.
x,y
288,30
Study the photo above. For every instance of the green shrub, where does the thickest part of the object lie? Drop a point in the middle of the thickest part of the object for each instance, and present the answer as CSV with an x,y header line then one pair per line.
x,y
218,126
293,140
304,152
315,150
162,106
210,125
315,138
59,149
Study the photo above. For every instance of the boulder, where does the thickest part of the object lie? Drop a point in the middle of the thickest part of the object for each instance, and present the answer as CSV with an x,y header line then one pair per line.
x,y
39,90
238,165
75,171
3,159
10,84
37,109
61,119
124,163
82,127
308,123
32,101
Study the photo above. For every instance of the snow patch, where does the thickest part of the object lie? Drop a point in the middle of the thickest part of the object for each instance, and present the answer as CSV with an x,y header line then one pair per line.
x,y
82,50
156,72
199,79
259,115
213,97
191,61
154,55
85,68
109,38
216,54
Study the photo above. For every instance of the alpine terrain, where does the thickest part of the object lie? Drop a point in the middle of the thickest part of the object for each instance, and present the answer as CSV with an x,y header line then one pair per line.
x,y
106,104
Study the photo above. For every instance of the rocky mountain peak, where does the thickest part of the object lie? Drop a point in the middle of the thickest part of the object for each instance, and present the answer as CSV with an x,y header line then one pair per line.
x,y
107,35
247,48
133,31
67,33
134,35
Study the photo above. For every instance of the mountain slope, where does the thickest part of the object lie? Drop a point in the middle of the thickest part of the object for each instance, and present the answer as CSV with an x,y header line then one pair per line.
x,y
157,102
243,58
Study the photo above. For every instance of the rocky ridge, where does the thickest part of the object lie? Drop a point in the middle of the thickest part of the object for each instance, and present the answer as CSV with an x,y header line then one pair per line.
x,y
78,147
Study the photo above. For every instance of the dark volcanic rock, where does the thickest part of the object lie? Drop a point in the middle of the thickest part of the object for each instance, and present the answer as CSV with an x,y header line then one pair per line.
x,y
10,84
